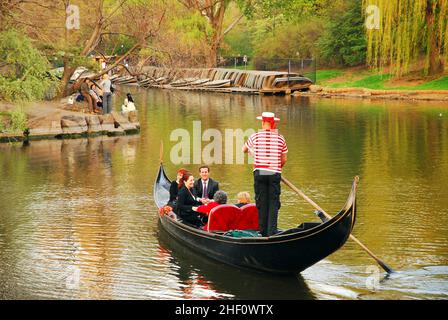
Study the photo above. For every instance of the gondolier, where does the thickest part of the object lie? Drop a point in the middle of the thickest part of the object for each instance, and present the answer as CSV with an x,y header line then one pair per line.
x,y
269,149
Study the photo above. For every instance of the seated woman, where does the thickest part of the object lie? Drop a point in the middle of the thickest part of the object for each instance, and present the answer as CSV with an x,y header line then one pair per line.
x,y
186,200
174,188
219,198
243,199
95,96
128,104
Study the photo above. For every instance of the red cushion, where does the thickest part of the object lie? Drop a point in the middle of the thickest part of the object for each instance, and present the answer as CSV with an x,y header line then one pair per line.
x,y
222,218
229,217
248,218
205,209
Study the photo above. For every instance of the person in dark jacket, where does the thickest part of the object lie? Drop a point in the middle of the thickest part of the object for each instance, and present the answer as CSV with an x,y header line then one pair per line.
x,y
186,200
174,188
205,187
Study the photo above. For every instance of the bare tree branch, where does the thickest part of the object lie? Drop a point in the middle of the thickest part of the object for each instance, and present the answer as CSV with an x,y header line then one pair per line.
x,y
232,25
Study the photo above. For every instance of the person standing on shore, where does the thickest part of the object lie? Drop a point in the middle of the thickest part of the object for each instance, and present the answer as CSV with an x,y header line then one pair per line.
x,y
106,85
269,150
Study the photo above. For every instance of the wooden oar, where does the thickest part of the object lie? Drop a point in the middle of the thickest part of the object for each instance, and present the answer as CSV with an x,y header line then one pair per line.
x,y
300,193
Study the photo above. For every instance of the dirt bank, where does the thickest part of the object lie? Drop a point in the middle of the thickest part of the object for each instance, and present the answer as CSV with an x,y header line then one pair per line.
x,y
363,93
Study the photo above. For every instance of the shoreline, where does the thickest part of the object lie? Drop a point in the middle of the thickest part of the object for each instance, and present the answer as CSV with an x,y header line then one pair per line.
x,y
364,93
49,120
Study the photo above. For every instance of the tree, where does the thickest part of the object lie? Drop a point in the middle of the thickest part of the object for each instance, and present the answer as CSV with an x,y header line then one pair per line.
x,y
48,24
23,69
285,28
344,42
213,11
407,30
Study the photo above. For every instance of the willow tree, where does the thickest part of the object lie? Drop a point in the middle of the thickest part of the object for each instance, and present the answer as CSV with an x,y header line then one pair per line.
x,y
400,32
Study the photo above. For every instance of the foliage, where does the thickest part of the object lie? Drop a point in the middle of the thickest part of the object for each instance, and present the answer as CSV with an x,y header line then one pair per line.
x,y
290,10
238,42
289,40
191,36
192,28
2,125
23,69
343,42
13,121
18,120
407,30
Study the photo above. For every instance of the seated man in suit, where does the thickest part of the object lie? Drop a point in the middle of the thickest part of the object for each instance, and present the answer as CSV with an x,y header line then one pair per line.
x,y
205,187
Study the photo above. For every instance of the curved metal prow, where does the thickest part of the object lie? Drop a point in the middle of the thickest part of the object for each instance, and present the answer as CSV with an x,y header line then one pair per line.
x,y
161,152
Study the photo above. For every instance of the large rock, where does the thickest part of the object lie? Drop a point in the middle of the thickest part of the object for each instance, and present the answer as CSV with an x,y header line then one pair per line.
x,y
123,122
94,124
74,125
44,128
315,88
110,126
107,122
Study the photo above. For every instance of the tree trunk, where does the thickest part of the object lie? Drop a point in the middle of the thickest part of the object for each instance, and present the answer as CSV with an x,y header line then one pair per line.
x,y
436,63
212,57
216,19
64,90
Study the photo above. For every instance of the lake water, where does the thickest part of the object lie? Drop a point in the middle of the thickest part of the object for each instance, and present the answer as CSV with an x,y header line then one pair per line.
x,y
77,218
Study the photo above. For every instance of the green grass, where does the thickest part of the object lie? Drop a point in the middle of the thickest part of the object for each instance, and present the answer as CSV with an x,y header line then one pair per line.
x,y
376,81
381,82
323,75
438,84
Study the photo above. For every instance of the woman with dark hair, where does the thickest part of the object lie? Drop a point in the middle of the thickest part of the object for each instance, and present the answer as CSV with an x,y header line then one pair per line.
x,y
128,104
186,200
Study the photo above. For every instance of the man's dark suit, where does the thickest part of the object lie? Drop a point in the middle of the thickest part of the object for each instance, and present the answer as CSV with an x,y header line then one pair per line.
x,y
212,187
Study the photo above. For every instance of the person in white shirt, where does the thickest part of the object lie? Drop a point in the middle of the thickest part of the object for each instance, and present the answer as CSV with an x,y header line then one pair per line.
x,y
128,104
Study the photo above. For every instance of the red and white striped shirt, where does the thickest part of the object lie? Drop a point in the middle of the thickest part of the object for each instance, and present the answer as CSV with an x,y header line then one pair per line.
x,y
267,147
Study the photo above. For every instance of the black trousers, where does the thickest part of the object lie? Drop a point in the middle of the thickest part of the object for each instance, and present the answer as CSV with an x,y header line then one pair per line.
x,y
267,199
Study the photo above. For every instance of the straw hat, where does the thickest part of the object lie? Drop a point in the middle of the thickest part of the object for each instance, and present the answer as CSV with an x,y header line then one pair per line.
x,y
268,116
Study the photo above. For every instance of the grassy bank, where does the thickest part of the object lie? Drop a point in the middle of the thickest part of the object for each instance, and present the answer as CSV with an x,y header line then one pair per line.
x,y
362,78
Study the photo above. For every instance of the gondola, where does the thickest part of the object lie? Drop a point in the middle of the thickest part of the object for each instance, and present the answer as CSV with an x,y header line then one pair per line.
x,y
287,252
